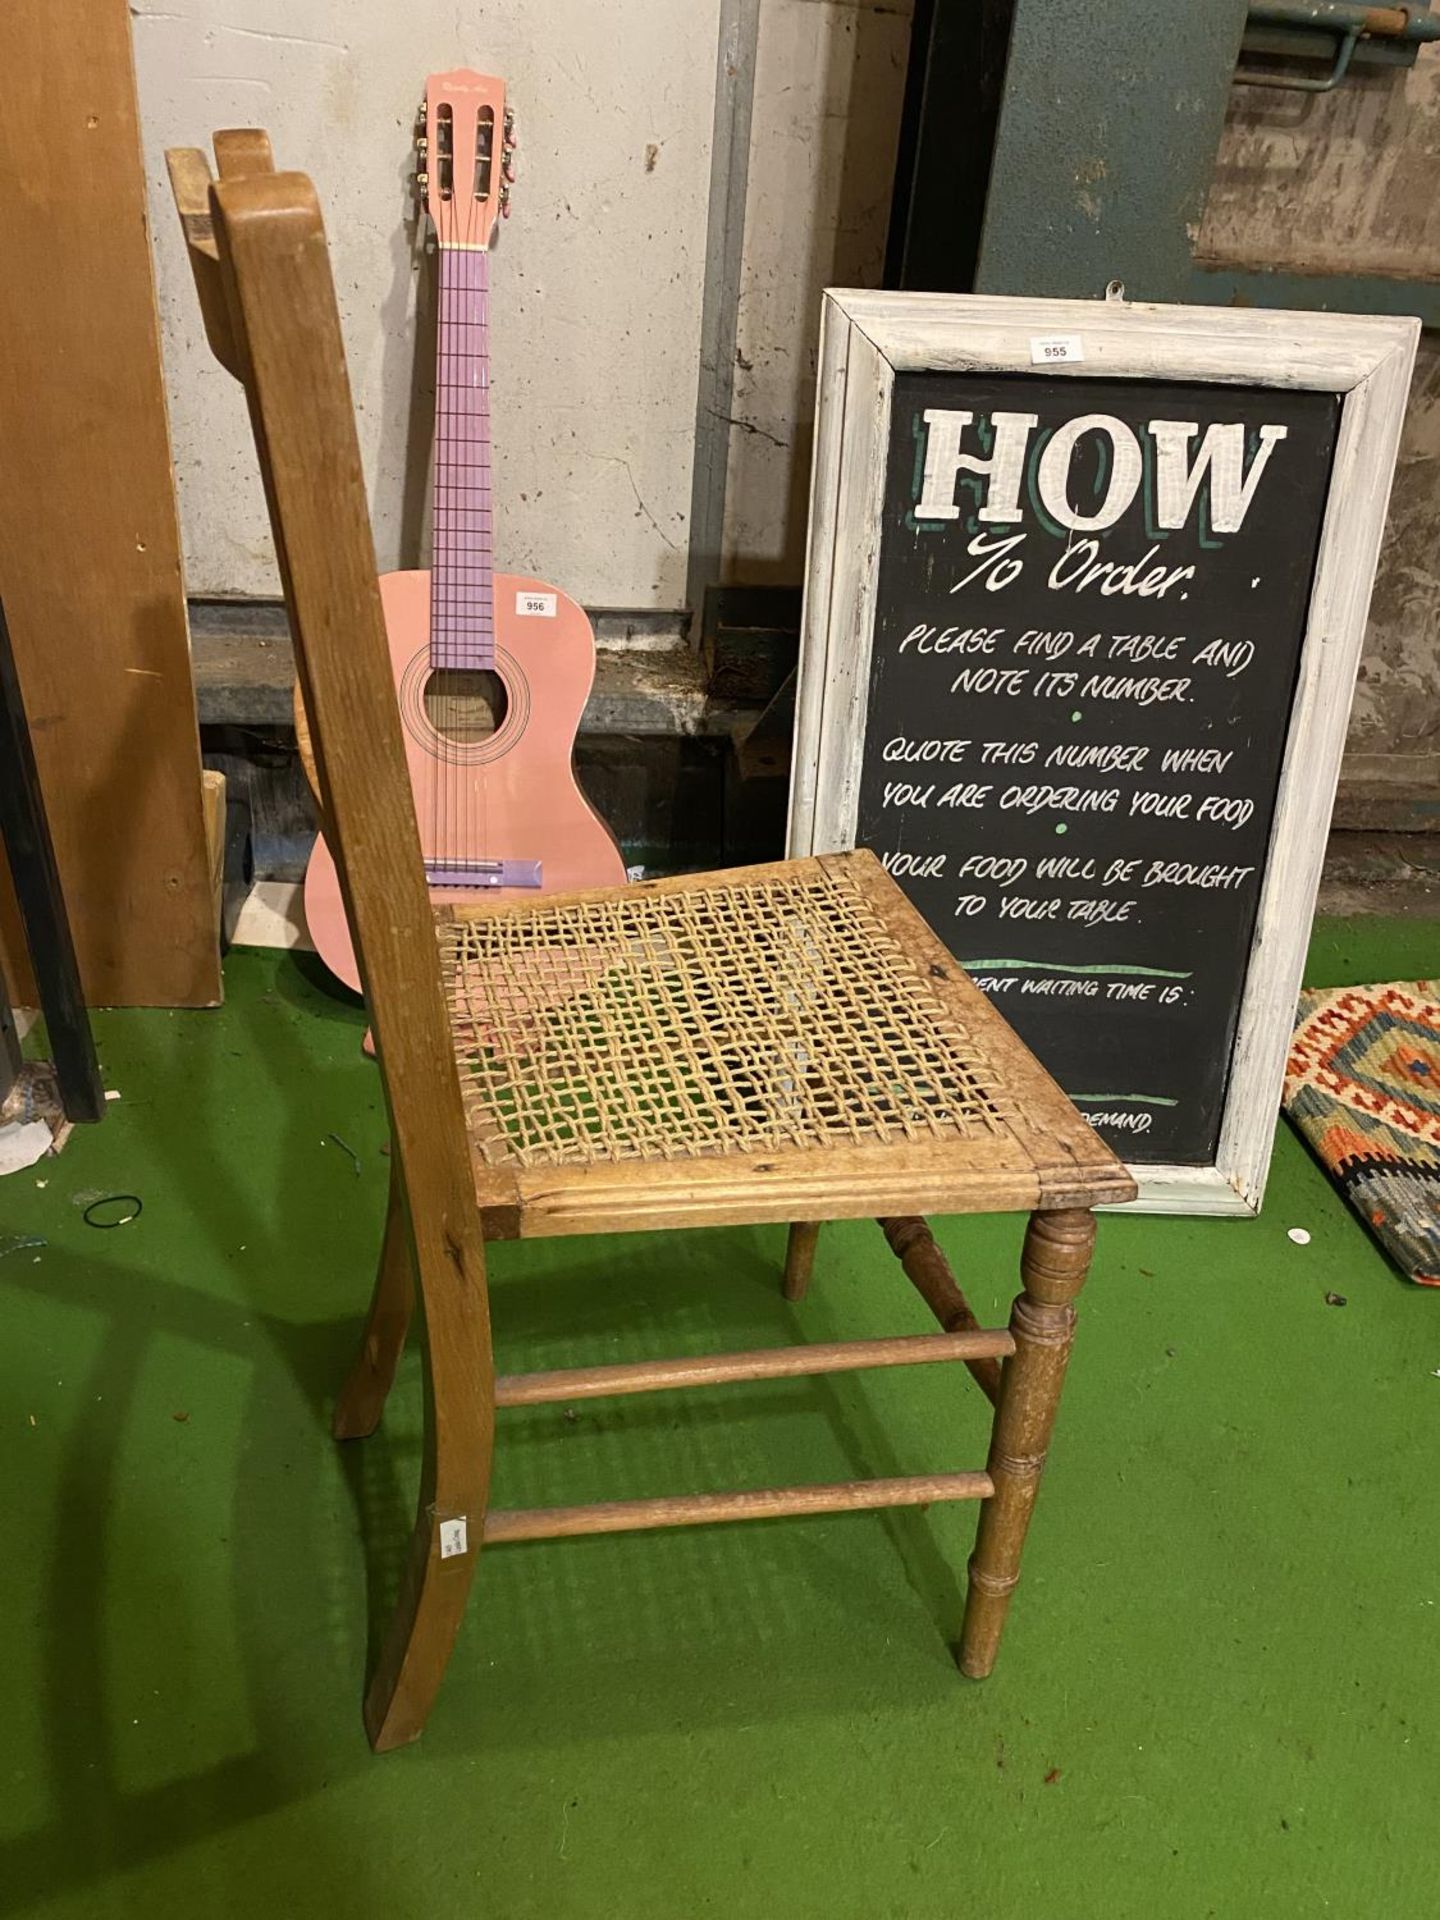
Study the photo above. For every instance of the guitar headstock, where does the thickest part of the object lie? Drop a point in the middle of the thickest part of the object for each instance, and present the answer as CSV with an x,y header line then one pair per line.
x,y
466,148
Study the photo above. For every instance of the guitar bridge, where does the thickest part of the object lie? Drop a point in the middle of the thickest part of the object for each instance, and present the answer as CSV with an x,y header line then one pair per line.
x,y
483,873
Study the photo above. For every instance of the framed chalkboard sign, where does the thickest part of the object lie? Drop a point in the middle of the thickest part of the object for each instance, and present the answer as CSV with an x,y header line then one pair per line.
x,y
1086,591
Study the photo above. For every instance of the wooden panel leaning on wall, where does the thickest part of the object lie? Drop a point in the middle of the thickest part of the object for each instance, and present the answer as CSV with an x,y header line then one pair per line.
x,y
89,545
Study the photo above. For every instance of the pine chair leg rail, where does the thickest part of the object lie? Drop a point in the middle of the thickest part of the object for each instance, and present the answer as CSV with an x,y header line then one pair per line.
x,y
758,1503
1020,1368
765,1363
762,1503
980,1348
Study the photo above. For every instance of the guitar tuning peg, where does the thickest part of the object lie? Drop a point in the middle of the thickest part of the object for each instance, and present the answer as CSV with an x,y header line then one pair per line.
x,y
507,169
504,203
422,144
422,181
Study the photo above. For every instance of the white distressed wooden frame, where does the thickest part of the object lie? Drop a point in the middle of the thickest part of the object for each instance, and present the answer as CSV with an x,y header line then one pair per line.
x,y
865,340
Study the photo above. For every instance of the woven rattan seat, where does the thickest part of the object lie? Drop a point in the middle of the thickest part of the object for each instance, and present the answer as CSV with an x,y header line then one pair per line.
x,y
640,1049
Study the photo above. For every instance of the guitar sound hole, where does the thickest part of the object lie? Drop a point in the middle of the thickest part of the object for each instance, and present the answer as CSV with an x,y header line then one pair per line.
x,y
466,705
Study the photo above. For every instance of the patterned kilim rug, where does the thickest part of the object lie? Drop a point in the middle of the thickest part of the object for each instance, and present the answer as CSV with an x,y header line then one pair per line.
x,y
1363,1087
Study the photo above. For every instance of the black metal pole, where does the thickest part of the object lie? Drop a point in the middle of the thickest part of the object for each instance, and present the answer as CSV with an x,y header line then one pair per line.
x,y
26,835
954,87
9,1042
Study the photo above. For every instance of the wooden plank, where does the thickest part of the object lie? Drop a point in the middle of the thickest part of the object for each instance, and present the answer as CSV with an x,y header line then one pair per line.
x,y
702,1509
853,1183
245,676
89,544
835,331
854,582
994,1175
1371,418
764,1363
946,332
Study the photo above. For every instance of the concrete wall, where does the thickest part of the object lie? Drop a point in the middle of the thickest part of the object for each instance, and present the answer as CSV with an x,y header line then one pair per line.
x,y
829,75
1345,183
598,277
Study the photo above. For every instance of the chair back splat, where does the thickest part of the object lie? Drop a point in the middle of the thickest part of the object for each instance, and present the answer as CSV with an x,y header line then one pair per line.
x,y
285,329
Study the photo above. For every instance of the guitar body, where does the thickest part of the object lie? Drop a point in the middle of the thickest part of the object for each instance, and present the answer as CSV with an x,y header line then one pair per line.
x,y
510,794
492,670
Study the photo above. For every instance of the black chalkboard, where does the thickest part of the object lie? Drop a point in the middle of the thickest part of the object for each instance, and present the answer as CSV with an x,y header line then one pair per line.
x,y
1074,732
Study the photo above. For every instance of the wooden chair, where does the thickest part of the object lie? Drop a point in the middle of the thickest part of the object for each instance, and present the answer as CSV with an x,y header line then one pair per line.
x,y
776,1043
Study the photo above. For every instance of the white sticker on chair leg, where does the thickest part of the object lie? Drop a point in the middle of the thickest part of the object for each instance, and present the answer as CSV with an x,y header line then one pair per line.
x,y
454,1538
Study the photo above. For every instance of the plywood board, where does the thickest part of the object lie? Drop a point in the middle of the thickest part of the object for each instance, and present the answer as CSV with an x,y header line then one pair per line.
x,y
829,79
89,546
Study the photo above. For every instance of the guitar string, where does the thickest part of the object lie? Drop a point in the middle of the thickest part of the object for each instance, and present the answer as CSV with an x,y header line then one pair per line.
x,y
463,586
450,592
478,438
441,572
442,582
475,518
459,492
446,774
488,477
452,455
464,517
437,565
459,544
436,536
470,515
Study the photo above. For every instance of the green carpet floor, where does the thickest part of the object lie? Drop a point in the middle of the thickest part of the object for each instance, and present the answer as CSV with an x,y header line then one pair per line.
x,y
1220,1690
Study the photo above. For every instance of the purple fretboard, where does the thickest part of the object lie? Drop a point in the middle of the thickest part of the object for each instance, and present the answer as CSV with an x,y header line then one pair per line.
x,y
462,579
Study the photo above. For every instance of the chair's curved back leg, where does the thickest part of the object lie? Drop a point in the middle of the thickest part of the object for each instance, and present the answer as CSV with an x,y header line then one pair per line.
x,y
454,1486
454,1489
285,329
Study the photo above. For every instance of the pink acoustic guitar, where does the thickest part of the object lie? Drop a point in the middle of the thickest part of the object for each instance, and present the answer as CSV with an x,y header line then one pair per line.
x,y
492,670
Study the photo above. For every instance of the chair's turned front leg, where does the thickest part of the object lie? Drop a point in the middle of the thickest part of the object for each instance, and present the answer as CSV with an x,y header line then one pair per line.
x,y
1053,1268
799,1258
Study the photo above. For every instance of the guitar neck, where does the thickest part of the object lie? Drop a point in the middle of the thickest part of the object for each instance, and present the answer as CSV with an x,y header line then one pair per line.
x,y
462,580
